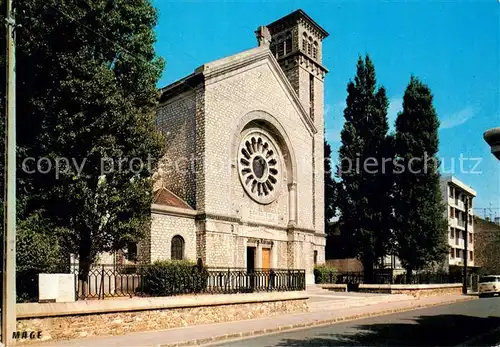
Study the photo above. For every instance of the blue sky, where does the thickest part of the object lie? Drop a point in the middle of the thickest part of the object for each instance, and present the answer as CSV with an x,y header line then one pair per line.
x,y
454,47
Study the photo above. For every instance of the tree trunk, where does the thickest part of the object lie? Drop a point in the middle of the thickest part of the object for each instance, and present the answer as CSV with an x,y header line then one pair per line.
x,y
84,262
83,276
409,274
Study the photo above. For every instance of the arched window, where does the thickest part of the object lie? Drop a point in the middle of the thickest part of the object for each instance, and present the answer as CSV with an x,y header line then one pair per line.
x,y
273,50
309,46
304,43
177,248
288,43
315,50
281,46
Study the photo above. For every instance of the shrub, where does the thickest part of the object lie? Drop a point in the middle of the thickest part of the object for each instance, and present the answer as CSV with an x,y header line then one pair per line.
x,y
165,278
325,274
37,251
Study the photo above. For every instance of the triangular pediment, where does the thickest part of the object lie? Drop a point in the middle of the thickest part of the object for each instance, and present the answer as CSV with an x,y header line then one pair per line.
x,y
255,56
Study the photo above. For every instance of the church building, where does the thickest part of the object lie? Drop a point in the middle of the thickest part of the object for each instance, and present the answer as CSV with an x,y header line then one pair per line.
x,y
242,181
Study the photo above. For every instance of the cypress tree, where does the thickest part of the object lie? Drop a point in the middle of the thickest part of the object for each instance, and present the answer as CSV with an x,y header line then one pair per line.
x,y
420,227
362,192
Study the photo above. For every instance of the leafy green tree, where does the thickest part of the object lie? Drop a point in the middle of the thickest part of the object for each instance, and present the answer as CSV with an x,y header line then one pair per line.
x,y
363,197
86,94
420,228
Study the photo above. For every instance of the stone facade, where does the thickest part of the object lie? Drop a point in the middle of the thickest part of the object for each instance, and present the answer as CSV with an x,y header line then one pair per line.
x,y
207,117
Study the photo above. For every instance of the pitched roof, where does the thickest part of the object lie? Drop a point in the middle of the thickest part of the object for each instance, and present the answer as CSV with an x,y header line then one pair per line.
x,y
165,197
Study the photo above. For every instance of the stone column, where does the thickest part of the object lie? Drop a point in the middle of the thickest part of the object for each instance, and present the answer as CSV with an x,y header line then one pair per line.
x,y
292,204
258,255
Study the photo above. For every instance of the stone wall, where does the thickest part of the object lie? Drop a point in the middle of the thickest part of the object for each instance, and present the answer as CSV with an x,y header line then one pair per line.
x,y
227,101
213,310
416,290
164,227
487,246
177,120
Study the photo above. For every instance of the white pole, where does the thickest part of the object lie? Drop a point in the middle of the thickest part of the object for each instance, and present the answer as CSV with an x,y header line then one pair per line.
x,y
9,237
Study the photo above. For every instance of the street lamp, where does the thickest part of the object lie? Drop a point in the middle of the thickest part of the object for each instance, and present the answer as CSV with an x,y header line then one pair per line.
x,y
492,137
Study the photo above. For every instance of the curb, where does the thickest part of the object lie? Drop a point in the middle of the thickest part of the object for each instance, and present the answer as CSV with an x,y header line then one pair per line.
x,y
298,326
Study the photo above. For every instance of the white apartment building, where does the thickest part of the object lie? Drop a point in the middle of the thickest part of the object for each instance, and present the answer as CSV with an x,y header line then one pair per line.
x,y
455,194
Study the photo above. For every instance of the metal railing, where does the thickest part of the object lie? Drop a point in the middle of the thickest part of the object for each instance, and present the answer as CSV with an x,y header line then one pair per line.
x,y
105,281
387,277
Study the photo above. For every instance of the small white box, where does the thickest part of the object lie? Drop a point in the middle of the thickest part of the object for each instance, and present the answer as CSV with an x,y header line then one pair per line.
x,y
56,287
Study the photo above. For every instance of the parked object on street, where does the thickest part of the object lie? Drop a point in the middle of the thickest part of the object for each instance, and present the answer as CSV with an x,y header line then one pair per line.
x,y
489,285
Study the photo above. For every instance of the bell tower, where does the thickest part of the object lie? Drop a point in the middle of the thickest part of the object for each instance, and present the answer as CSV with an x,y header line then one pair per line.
x,y
296,42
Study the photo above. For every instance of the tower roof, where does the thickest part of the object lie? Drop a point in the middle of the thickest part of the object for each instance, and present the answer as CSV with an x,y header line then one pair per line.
x,y
295,17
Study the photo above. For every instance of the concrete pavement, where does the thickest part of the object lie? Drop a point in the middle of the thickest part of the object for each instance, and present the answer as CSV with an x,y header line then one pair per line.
x,y
204,334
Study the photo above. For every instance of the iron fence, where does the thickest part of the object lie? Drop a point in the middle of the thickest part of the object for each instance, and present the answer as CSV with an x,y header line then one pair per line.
x,y
105,281
388,277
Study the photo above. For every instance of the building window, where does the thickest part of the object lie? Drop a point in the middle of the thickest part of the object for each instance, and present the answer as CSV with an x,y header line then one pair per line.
x,y
471,255
177,249
281,47
288,43
315,257
452,252
315,50
452,212
309,46
304,43
132,251
457,254
452,233
457,213
451,192
273,50
470,237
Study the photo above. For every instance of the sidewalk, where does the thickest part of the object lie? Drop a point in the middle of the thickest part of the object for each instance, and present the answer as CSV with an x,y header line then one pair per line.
x,y
204,334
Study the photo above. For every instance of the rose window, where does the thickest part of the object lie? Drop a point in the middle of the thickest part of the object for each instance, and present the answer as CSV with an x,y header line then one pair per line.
x,y
259,167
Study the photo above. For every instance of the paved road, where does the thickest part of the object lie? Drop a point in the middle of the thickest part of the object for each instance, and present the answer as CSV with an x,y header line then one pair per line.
x,y
449,325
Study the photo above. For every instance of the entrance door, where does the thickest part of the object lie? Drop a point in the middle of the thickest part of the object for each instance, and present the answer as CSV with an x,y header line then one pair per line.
x,y
266,258
250,259
266,265
250,268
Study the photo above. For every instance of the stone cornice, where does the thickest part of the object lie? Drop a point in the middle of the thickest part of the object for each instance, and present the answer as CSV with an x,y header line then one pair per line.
x,y
173,211
201,216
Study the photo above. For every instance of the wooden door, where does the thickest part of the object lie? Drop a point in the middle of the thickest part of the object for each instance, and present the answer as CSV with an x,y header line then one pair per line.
x,y
266,265
266,258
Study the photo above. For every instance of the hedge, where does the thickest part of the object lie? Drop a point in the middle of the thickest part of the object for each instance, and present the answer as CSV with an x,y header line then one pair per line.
x,y
325,274
166,278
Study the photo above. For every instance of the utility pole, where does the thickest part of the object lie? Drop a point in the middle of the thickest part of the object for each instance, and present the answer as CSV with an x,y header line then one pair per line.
x,y
466,250
9,236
